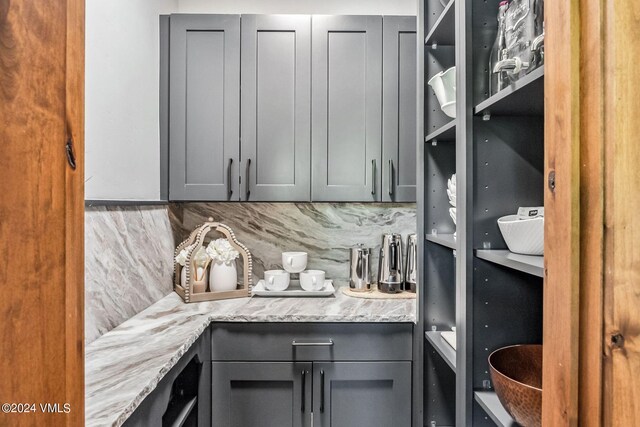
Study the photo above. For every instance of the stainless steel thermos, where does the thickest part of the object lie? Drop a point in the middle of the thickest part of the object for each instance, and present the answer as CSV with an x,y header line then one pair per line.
x,y
390,271
411,277
360,269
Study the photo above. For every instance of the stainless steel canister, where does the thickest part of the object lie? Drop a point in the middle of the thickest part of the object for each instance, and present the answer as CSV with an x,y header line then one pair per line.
x,y
411,273
360,268
390,271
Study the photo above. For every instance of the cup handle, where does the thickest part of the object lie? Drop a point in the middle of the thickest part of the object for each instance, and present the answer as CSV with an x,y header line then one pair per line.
x,y
271,280
314,280
290,260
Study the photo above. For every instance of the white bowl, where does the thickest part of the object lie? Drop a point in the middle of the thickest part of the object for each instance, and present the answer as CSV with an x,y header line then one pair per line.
x,y
449,109
276,280
294,262
523,236
312,280
451,183
444,86
452,198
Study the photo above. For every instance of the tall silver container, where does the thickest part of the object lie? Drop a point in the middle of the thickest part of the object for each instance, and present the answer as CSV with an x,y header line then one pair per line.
x,y
360,269
411,277
390,272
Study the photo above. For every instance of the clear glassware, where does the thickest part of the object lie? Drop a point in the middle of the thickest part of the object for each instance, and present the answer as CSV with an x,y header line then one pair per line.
x,y
497,80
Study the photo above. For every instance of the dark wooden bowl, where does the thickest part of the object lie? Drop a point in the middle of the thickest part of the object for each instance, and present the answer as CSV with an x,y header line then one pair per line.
x,y
516,372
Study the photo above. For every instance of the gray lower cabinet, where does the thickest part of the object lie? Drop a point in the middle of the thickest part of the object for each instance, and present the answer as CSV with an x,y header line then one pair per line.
x,y
183,396
204,107
399,109
266,394
276,107
311,374
362,394
346,98
289,394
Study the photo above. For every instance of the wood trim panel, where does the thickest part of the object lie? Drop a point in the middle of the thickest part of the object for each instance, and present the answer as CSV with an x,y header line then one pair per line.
x,y
591,213
74,213
596,104
621,393
562,262
41,210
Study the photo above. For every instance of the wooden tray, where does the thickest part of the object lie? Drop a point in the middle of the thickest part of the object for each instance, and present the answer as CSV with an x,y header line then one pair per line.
x,y
374,293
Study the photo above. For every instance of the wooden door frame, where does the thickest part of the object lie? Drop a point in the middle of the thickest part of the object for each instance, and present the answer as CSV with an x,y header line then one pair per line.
x,y
562,210
42,212
591,328
74,212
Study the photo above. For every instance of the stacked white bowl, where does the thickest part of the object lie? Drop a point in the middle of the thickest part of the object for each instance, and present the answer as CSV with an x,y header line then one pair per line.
x,y
451,194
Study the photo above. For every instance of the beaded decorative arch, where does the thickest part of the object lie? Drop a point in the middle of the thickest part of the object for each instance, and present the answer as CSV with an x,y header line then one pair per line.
x,y
193,244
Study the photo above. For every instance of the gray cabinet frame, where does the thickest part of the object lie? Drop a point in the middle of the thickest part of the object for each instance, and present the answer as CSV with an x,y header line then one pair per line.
x,y
244,375
276,107
336,179
190,113
399,161
362,380
153,407
354,149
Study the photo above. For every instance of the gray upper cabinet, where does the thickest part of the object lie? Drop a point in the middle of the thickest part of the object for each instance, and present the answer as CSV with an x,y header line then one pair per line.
x,y
204,107
346,108
276,107
327,110
399,109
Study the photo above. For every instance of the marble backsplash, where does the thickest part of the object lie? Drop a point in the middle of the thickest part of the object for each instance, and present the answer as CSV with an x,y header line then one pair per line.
x,y
129,249
325,231
128,263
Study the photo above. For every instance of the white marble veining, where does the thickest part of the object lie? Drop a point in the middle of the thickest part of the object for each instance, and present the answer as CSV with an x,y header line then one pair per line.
x,y
125,365
128,263
325,231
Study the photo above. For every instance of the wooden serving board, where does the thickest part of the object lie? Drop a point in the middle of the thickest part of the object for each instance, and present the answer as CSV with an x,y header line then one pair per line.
x,y
376,294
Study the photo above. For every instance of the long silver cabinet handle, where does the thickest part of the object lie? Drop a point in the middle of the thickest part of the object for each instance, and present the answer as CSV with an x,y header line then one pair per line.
x,y
327,343
229,190
391,177
248,184
304,386
373,177
321,390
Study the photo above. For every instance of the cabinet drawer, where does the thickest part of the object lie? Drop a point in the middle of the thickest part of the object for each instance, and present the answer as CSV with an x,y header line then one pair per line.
x,y
311,341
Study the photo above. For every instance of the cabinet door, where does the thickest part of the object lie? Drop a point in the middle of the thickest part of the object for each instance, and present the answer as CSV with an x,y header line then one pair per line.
x,y
362,394
261,394
204,107
346,108
276,107
399,141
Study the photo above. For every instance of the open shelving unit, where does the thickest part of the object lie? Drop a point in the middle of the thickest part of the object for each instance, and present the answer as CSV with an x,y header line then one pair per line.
x,y
490,403
440,32
444,350
520,98
495,147
529,264
446,240
446,132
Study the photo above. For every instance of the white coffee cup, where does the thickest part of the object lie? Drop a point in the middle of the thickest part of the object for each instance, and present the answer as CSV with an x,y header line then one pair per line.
x,y
276,280
312,280
294,262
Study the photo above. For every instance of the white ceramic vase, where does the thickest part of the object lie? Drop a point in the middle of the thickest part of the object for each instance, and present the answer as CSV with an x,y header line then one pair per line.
x,y
223,277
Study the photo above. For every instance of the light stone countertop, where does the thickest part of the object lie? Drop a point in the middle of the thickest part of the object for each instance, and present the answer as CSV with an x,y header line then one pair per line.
x,y
124,366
